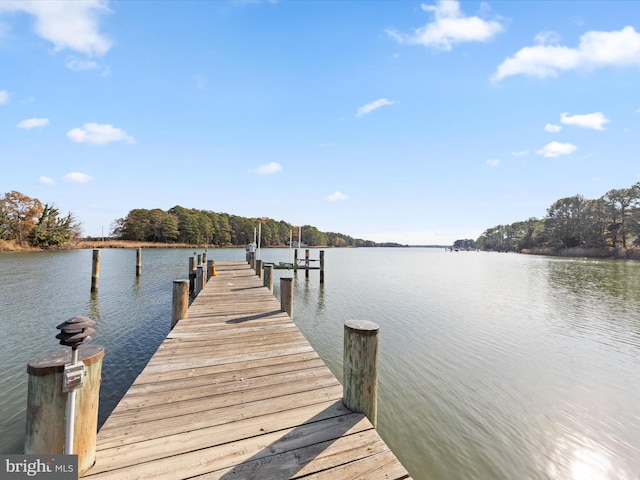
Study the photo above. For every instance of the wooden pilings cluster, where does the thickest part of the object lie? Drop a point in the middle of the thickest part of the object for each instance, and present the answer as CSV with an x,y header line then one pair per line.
x,y
201,269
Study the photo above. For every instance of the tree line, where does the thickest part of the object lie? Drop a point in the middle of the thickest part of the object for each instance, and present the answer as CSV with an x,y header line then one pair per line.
x,y
197,227
28,220
609,224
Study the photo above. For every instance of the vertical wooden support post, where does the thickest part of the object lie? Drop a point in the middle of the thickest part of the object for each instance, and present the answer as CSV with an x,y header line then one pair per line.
x,y
205,273
138,262
47,405
210,268
199,260
360,364
306,264
286,295
204,258
192,274
321,267
295,258
259,268
199,280
253,260
180,301
267,280
95,270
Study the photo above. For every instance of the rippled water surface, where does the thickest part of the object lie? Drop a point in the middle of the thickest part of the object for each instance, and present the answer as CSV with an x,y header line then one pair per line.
x,y
492,366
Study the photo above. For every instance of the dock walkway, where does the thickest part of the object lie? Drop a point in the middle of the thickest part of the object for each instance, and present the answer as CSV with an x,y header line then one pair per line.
x,y
236,392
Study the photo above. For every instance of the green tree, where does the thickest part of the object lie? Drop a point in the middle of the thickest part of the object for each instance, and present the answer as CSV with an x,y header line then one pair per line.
x,y
619,204
565,221
52,230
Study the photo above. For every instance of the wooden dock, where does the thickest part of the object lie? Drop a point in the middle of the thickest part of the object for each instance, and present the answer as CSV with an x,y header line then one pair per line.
x,y
236,392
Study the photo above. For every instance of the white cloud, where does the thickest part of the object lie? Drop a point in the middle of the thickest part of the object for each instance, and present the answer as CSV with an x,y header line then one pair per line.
x,y
68,24
268,168
449,27
555,149
596,50
595,120
45,180
370,107
547,38
494,162
337,197
99,134
522,153
76,177
33,123
551,128
4,97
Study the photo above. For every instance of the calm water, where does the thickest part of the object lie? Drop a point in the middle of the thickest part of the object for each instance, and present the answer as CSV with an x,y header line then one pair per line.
x,y
492,366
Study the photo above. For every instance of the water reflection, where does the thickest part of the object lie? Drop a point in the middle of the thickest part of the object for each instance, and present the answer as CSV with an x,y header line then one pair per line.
x,y
576,457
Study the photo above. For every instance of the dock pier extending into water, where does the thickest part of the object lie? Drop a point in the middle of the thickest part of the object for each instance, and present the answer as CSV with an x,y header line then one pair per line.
x,y
236,392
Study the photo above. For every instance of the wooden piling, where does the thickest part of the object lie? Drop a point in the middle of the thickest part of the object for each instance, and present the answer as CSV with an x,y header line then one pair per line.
x,y
306,264
192,274
95,270
180,301
47,405
138,262
286,295
210,268
268,277
199,280
259,268
321,266
360,368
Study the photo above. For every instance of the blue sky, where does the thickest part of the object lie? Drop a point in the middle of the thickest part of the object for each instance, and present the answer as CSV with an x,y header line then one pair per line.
x,y
414,122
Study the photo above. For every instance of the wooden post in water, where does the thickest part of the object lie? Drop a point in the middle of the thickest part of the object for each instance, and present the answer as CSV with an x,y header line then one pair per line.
x,y
321,267
210,268
192,274
95,270
180,301
47,405
259,268
199,280
286,295
138,262
360,365
306,264
267,280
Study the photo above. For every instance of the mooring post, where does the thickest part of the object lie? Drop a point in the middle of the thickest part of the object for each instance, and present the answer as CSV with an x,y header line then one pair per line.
x,y
62,396
199,260
259,268
95,270
192,274
138,261
321,267
199,280
306,264
286,295
267,280
360,368
180,301
210,268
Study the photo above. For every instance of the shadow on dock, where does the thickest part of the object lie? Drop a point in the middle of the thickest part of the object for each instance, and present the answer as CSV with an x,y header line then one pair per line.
x,y
254,317
288,456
